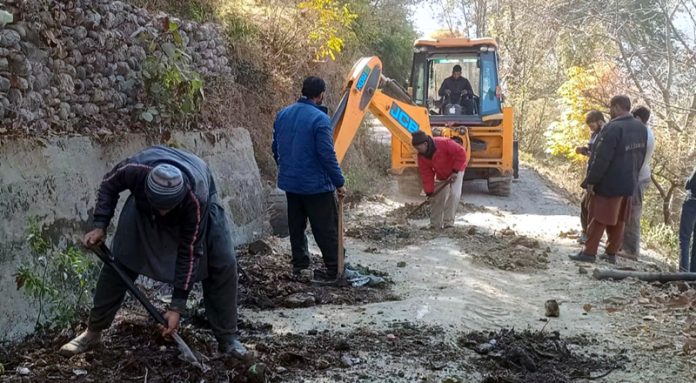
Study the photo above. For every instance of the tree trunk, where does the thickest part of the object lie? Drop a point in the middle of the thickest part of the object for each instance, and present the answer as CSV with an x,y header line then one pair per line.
x,y
643,276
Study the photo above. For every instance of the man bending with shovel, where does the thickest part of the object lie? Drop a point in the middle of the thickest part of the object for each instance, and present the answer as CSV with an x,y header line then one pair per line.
x,y
171,229
441,163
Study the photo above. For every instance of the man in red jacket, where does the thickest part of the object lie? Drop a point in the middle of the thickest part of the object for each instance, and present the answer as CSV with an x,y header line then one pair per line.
x,y
440,159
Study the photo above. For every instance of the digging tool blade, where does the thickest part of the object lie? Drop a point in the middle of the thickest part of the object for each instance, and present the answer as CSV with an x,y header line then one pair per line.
x,y
103,252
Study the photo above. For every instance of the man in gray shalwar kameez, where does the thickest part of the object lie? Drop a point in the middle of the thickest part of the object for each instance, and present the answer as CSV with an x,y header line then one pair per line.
x,y
171,229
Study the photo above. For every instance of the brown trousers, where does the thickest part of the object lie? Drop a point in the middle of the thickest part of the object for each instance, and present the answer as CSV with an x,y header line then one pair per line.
x,y
606,214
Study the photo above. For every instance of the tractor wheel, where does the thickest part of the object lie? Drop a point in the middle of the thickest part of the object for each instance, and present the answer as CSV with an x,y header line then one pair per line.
x,y
500,187
278,213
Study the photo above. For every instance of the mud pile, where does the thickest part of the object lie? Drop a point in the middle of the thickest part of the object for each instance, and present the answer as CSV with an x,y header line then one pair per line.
x,y
403,211
133,350
508,251
266,282
537,357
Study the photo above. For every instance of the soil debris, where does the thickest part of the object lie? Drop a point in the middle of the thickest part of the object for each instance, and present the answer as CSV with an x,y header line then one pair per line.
x,y
509,252
403,211
510,356
267,282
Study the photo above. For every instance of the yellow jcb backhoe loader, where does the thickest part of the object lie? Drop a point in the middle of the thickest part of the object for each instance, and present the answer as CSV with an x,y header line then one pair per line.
x,y
485,127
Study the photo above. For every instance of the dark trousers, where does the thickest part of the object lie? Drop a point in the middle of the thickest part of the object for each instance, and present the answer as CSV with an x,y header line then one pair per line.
x,y
219,297
219,288
322,212
584,213
687,236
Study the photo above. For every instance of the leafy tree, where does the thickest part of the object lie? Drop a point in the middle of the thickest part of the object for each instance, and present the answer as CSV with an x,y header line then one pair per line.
x,y
383,28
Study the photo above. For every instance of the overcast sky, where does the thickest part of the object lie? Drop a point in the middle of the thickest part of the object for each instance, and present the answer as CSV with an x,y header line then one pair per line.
x,y
425,21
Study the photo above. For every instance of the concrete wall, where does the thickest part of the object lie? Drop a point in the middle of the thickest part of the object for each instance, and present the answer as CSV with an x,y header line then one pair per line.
x,y
56,181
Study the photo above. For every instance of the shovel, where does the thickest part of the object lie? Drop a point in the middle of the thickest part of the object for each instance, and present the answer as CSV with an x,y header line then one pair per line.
x,y
427,200
341,280
103,252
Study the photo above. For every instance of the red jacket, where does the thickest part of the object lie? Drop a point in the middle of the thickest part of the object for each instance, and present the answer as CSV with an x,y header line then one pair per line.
x,y
449,157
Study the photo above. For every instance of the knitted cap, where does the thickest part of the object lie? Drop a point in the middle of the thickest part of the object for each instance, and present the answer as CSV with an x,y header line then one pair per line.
x,y
418,138
165,187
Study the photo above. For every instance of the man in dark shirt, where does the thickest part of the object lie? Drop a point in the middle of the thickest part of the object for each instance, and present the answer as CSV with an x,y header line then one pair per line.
x,y
171,223
687,227
612,178
595,121
455,88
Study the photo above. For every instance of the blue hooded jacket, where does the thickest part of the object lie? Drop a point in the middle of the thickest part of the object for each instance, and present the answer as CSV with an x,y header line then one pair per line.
x,y
303,150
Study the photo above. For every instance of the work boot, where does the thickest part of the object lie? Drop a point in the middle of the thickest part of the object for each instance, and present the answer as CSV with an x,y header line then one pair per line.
x,y
84,342
582,257
232,347
611,258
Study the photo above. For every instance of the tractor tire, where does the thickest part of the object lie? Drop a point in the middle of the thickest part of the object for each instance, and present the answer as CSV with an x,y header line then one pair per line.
x,y
278,213
500,186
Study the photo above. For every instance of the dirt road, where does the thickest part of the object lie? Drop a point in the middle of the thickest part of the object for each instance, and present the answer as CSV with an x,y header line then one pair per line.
x,y
443,284
469,307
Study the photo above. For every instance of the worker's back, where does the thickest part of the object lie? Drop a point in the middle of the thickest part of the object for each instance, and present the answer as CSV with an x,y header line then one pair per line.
x,y
303,150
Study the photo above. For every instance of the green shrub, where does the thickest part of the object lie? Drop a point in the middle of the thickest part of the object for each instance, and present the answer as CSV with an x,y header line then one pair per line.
x,y
59,280
173,87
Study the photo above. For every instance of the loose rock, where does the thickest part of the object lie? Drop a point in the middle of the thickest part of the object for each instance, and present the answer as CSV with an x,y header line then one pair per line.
x,y
300,300
552,309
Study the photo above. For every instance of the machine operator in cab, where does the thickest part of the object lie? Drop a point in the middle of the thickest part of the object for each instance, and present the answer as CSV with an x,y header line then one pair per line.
x,y
457,90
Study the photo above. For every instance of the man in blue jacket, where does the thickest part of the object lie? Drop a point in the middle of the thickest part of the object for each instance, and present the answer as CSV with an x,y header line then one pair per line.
x,y
309,173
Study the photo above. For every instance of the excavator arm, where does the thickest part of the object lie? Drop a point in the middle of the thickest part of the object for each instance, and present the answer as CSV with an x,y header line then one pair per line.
x,y
366,89
362,92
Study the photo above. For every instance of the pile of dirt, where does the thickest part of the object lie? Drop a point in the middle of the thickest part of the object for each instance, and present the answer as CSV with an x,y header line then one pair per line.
x,y
386,233
508,251
133,350
403,211
267,282
509,356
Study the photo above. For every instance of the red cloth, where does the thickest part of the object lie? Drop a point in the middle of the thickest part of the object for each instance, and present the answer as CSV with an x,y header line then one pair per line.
x,y
449,157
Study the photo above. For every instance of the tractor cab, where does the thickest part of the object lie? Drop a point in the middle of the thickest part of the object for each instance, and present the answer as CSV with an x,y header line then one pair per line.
x,y
471,96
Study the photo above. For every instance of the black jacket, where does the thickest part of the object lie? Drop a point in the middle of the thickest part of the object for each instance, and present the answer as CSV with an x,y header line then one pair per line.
x,y
617,157
691,184
190,214
456,87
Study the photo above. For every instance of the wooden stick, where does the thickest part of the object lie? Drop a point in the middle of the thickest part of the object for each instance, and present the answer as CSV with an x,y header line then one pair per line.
x,y
643,276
